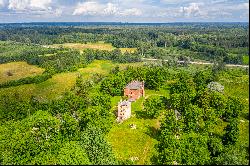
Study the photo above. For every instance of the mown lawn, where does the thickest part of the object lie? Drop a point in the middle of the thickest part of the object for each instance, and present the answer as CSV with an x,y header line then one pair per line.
x,y
18,70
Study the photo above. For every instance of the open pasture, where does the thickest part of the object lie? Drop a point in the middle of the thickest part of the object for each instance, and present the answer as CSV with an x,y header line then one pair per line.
x,y
53,88
98,45
18,70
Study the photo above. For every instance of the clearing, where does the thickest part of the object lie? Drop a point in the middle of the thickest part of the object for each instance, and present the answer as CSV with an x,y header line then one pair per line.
x,y
18,70
98,45
54,88
136,143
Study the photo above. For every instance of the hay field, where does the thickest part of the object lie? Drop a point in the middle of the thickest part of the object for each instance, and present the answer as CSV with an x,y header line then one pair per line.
x,y
55,87
98,46
51,89
18,70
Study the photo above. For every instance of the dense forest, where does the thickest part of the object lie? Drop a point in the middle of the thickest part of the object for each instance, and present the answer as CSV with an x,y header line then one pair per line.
x,y
198,109
213,42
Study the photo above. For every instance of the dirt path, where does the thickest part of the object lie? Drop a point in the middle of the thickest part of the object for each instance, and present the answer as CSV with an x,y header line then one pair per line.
x,y
199,63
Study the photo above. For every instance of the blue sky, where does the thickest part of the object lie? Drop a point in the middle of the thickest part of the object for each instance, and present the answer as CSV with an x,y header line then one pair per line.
x,y
124,10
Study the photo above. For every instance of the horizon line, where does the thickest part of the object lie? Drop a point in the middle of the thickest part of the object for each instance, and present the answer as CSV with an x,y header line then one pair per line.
x,y
124,22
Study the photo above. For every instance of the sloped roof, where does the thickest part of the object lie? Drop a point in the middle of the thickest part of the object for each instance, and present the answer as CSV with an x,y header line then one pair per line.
x,y
135,85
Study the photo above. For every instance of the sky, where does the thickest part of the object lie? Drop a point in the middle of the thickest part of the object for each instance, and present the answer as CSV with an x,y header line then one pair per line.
x,y
146,11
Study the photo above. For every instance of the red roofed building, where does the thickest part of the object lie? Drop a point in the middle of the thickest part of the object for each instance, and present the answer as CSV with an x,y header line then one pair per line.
x,y
134,90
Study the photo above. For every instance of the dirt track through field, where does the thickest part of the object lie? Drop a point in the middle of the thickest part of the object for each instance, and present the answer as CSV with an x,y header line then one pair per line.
x,y
198,63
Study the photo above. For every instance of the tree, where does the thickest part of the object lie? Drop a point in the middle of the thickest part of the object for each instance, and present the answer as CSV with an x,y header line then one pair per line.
x,y
232,132
98,149
154,106
215,146
72,154
202,78
233,155
194,149
192,117
233,108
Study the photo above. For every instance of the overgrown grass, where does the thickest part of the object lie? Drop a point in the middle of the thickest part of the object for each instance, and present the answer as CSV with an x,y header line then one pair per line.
x,y
51,89
17,70
130,143
55,87
238,85
98,45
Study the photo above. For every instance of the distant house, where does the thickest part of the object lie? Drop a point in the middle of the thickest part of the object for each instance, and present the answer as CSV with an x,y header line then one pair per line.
x,y
124,110
134,90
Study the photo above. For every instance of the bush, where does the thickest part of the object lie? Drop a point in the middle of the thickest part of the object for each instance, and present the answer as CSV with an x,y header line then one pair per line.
x,y
232,132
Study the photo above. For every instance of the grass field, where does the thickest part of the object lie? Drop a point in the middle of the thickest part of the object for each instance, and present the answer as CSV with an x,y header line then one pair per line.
x,y
18,70
136,143
53,88
239,87
98,45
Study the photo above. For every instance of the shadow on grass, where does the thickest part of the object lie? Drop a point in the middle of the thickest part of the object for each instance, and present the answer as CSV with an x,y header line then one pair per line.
x,y
142,115
245,115
152,132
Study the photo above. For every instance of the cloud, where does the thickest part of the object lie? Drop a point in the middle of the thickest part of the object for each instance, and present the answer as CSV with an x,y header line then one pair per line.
x,y
20,5
131,12
243,6
88,8
192,9
42,4
2,3
111,9
97,9
58,12
125,10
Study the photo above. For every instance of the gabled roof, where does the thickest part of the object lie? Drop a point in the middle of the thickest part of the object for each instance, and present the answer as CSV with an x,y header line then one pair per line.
x,y
135,85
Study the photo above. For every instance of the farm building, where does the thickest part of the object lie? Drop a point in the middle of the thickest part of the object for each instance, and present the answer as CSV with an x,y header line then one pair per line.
x,y
134,90
124,110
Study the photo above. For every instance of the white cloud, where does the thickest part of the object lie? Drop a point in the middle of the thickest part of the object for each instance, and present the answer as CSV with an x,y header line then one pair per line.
x,y
42,4
131,12
88,8
243,6
2,3
193,8
29,4
98,9
111,9
58,12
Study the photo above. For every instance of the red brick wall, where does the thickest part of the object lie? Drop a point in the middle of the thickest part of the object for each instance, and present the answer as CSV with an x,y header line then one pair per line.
x,y
132,93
